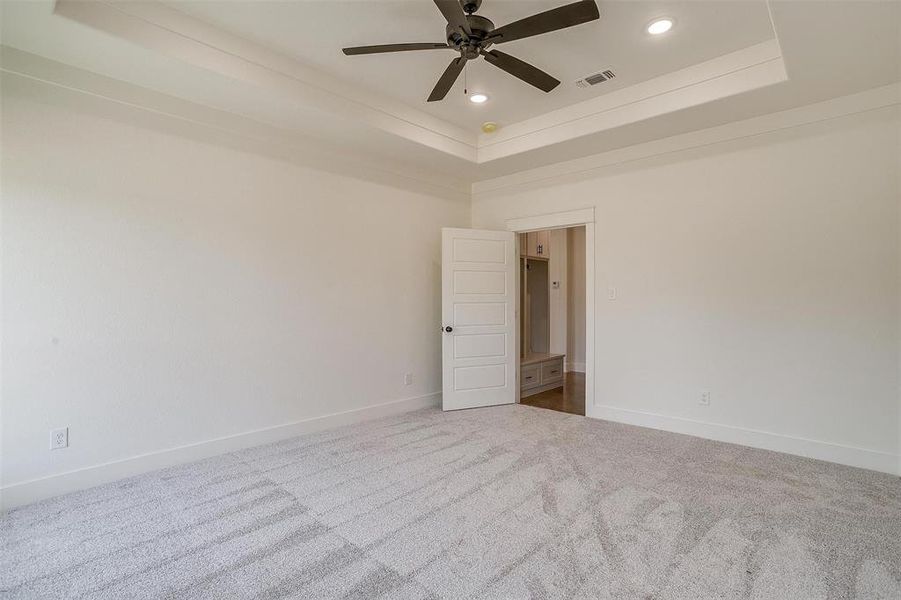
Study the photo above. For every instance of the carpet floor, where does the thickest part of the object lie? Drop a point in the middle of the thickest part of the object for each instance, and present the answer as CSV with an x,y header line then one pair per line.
x,y
508,502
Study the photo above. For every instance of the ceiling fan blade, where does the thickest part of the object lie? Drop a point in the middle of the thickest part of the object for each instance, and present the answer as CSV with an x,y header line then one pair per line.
x,y
454,15
522,70
393,48
447,79
551,20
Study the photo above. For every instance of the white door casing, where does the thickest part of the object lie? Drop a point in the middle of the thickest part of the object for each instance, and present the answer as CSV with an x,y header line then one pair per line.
x,y
478,304
574,218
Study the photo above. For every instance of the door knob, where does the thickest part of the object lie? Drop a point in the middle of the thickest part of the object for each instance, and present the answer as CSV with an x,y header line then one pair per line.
x,y
448,329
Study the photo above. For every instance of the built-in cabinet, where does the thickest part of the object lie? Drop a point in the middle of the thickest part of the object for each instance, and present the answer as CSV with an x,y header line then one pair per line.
x,y
540,373
535,244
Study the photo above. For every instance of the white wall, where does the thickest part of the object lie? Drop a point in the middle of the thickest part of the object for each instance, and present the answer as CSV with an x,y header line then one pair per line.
x,y
576,299
160,292
763,269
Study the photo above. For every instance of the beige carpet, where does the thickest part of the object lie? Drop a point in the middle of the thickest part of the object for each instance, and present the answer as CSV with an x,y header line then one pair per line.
x,y
512,502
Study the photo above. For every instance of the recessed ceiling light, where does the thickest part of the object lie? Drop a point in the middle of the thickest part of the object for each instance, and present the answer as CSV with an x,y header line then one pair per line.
x,y
659,26
478,98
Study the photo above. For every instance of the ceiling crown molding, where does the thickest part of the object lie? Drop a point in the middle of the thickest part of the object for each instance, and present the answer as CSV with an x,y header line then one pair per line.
x,y
177,35
748,69
157,27
875,99
39,79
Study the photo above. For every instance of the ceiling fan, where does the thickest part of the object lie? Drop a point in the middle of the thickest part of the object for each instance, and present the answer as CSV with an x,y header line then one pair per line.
x,y
471,35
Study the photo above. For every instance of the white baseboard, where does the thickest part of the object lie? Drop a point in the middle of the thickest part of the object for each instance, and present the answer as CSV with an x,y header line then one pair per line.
x,y
26,492
845,455
574,367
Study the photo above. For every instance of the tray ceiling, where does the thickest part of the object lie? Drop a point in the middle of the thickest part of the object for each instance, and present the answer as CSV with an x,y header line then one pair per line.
x,y
314,32
273,71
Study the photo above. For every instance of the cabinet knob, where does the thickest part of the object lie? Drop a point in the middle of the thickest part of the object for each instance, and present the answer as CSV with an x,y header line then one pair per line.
x,y
448,329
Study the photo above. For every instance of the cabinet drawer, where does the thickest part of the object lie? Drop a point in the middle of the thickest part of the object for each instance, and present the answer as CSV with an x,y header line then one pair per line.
x,y
530,377
551,371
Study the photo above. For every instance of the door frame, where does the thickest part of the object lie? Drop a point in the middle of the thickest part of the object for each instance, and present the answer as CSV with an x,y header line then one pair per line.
x,y
571,218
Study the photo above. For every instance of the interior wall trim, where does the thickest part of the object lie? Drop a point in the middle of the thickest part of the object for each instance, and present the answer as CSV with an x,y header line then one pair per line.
x,y
738,60
846,455
27,492
569,218
71,86
735,73
874,99
156,26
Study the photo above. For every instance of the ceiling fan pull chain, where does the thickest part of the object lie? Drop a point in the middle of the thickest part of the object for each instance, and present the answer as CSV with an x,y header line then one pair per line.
x,y
465,79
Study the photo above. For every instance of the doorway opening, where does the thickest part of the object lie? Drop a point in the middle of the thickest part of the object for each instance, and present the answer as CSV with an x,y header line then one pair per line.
x,y
552,323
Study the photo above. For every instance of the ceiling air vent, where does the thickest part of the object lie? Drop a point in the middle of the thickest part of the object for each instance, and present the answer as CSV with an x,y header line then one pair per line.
x,y
596,78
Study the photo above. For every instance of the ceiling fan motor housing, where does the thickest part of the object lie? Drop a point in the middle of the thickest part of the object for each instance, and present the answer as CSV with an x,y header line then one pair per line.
x,y
480,28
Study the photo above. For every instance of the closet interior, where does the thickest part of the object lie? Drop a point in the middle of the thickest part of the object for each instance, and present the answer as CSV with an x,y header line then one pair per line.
x,y
541,369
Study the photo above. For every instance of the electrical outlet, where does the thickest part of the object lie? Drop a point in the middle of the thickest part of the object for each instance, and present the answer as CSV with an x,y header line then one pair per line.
x,y
408,379
59,438
705,398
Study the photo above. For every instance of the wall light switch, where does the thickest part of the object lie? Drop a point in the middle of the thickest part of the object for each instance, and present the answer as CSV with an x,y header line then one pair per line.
x,y
611,293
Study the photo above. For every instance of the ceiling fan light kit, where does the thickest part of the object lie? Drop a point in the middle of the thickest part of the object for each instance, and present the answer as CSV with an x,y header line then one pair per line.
x,y
472,35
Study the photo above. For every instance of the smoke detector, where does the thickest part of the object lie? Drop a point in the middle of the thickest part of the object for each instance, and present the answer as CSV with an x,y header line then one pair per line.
x,y
489,127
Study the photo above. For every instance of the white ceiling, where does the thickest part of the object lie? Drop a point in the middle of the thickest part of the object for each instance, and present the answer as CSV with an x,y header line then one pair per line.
x,y
346,105
315,31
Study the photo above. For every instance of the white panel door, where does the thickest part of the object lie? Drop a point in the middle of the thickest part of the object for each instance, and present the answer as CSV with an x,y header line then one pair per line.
x,y
478,308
